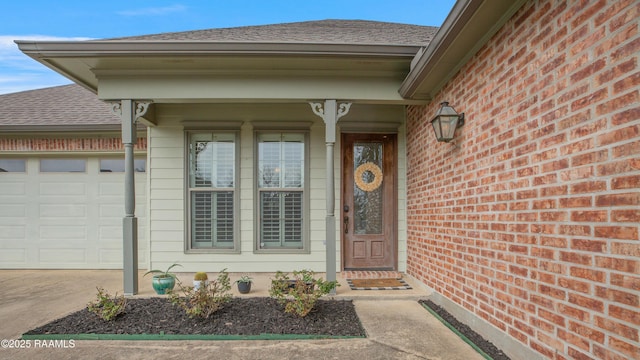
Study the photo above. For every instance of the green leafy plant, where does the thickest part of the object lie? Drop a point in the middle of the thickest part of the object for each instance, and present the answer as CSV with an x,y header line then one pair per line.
x,y
244,279
200,276
205,300
300,294
107,307
163,274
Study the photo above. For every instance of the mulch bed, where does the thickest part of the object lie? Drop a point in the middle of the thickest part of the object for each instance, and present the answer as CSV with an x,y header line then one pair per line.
x,y
474,337
241,316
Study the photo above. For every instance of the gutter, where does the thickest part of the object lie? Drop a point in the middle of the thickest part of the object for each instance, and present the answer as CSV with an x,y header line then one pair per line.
x,y
61,49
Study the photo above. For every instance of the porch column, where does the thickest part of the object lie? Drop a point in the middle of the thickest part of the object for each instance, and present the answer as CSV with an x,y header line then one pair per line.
x,y
330,112
129,112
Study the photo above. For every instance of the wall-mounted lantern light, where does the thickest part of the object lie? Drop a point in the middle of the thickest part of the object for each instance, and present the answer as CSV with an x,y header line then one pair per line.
x,y
446,122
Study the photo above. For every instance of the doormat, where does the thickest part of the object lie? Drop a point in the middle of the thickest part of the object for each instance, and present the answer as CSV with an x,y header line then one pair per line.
x,y
378,284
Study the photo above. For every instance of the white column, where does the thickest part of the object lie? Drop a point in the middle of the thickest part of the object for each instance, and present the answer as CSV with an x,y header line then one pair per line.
x,y
330,112
129,112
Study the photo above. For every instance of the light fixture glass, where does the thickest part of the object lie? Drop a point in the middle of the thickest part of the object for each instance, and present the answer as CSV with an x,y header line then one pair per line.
x,y
446,121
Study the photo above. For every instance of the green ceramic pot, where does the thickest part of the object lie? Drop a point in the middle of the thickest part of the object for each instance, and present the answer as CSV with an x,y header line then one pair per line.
x,y
162,284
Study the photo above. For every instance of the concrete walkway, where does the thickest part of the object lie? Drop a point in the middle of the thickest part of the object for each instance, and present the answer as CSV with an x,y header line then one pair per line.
x,y
397,326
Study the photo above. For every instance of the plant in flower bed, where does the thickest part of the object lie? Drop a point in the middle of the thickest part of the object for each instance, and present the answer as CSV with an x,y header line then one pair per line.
x,y
250,316
300,294
213,311
206,299
107,307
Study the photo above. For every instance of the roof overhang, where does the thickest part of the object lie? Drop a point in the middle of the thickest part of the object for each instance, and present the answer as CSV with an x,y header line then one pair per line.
x,y
468,27
64,129
228,71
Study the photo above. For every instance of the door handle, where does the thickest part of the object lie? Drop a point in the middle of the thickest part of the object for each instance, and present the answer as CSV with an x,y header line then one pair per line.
x,y
346,224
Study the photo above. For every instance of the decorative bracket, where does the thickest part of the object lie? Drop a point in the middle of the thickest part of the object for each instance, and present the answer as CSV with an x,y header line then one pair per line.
x,y
141,108
330,112
318,109
343,109
140,111
116,108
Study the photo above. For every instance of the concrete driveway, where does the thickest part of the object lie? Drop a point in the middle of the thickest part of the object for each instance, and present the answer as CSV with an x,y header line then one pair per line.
x,y
397,326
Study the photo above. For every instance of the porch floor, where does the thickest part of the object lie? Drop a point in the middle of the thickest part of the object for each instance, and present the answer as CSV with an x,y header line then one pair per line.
x,y
262,283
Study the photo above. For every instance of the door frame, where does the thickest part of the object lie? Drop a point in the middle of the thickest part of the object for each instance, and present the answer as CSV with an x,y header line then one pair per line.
x,y
394,196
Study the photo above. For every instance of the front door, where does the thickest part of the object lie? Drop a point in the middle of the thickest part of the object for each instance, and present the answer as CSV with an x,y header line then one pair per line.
x,y
369,210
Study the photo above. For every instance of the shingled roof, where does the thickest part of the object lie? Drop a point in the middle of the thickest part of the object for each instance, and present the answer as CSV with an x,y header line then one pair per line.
x,y
320,32
72,106
67,105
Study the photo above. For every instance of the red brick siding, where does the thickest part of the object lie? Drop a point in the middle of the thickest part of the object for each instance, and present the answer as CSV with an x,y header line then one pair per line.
x,y
65,144
531,221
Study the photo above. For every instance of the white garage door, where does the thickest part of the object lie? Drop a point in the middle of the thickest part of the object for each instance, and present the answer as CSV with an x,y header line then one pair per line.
x,y
66,213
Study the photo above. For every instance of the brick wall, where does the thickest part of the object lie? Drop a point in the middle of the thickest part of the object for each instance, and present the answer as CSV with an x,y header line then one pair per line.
x,y
9,145
531,221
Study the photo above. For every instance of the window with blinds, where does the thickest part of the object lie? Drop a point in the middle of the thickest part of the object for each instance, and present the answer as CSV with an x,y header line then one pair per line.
x,y
212,182
280,173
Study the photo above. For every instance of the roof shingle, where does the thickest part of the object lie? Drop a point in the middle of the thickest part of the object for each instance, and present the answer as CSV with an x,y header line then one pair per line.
x,y
58,105
322,32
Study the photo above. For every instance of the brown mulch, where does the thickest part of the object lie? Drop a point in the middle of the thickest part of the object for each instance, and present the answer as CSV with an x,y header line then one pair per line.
x,y
477,339
241,316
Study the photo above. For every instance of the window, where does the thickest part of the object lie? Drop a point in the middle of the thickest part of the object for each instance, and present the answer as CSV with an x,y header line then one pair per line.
x,y
281,196
117,165
63,165
212,191
13,165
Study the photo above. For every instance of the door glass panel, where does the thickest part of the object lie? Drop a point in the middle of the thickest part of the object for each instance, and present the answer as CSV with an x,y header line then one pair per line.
x,y
367,189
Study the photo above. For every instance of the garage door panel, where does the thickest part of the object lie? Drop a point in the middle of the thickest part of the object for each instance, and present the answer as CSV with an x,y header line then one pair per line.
x,y
12,211
111,233
66,233
63,188
62,210
62,256
112,210
110,256
66,220
111,189
13,188
13,232
9,256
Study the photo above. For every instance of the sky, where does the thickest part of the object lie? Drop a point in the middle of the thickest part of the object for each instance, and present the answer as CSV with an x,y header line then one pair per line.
x,y
71,20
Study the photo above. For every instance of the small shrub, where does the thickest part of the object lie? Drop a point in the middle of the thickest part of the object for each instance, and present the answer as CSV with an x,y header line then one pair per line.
x,y
205,300
107,307
200,276
300,294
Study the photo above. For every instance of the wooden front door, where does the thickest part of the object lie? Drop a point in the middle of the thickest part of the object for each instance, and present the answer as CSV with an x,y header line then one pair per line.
x,y
369,211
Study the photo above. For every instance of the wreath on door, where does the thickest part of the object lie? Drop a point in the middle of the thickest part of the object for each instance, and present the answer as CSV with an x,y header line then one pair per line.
x,y
373,169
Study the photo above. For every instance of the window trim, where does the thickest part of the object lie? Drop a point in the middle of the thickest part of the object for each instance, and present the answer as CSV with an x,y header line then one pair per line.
x,y
306,240
188,249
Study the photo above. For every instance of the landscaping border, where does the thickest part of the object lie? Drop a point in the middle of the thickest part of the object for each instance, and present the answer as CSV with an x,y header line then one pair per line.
x,y
161,336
